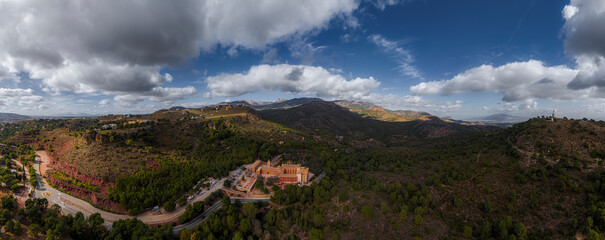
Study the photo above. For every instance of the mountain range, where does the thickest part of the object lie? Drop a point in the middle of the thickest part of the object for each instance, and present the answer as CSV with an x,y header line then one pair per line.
x,y
11,117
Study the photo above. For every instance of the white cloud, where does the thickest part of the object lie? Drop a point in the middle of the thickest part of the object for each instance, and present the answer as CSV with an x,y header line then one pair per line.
x,y
42,107
569,11
121,46
528,105
127,100
5,74
158,94
402,55
28,100
317,81
10,96
517,81
104,102
521,81
298,79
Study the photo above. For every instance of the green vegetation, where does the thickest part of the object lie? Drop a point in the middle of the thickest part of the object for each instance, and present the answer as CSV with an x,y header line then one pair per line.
x,y
37,218
540,179
72,180
33,180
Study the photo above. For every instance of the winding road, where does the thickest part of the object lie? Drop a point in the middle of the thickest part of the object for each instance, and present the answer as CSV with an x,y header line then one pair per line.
x,y
199,219
71,205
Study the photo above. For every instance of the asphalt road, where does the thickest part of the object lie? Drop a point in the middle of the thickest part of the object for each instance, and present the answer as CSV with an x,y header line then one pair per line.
x,y
71,205
199,219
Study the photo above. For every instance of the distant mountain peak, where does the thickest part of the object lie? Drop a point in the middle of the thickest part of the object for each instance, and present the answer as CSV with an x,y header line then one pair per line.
x,y
502,117
11,117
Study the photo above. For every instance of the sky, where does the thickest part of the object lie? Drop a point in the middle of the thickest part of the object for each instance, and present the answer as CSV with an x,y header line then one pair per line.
x,y
458,59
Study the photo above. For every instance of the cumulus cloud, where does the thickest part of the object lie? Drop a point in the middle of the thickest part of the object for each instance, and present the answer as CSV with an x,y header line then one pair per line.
x,y
517,81
27,100
120,46
299,79
10,96
104,102
520,81
99,76
317,81
158,94
528,105
402,55
584,28
585,39
5,74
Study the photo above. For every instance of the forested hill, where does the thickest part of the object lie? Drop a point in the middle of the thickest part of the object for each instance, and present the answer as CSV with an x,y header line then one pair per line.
x,y
167,152
370,110
334,119
540,179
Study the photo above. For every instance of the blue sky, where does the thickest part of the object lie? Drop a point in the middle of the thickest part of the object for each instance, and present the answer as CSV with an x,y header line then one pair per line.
x,y
461,59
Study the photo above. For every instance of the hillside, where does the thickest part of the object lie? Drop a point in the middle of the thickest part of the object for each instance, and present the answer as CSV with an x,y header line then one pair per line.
x,y
539,179
11,117
334,119
370,110
101,151
491,185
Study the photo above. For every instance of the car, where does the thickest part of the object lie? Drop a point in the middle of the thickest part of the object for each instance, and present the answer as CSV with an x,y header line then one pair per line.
x,y
190,197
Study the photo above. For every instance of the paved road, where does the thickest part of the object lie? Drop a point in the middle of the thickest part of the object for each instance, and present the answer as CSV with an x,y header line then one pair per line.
x,y
71,205
323,174
199,219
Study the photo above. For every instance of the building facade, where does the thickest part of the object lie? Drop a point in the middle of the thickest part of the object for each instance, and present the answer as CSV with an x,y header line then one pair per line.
x,y
286,173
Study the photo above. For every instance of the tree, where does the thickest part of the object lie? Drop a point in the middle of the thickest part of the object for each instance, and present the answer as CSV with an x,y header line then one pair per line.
x,y
384,208
169,206
366,211
318,220
315,234
418,219
14,227
521,231
593,235
467,232
249,210
245,226
238,236
95,221
5,216
9,202
181,201
79,226
34,230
